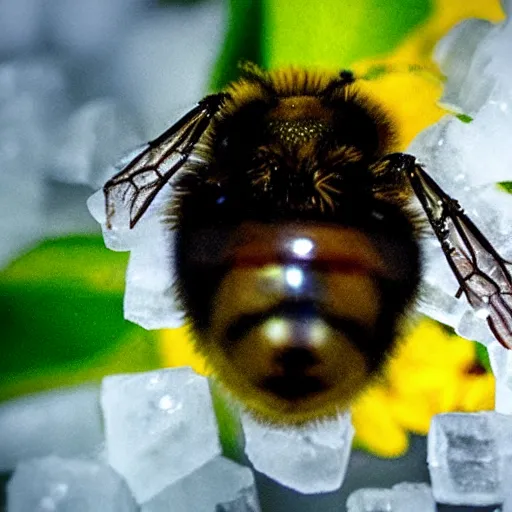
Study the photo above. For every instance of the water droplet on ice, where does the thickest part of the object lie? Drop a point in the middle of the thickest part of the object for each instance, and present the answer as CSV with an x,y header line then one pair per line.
x,y
168,404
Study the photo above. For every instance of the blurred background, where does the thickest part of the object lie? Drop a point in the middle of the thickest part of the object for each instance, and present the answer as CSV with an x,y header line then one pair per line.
x,y
81,83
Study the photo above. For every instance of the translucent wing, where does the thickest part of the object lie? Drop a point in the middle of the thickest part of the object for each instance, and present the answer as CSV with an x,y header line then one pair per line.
x,y
482,273
135,187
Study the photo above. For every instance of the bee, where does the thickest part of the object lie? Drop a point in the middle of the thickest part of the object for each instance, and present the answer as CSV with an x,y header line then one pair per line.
x,y
297,244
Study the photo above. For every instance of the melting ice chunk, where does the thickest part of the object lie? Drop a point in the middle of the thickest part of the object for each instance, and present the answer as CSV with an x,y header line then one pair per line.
x,y
159,427
501,363
218,485
468,159
467,456
64,422
150,299
53,484
310,459
403,497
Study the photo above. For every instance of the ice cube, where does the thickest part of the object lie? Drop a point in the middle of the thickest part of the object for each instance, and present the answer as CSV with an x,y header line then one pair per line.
x,y
67,485
467,455
65,422
150,299
460,56
403,497
220,484
310,459
441,306
240,504
159,427
455,55
472,327
501,363
455,155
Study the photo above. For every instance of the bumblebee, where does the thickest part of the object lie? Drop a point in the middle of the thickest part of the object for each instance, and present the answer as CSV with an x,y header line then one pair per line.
x,y
297,245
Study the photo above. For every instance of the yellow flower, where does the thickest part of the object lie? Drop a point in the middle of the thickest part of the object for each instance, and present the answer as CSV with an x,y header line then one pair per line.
x,y
176,349
376,430
431,372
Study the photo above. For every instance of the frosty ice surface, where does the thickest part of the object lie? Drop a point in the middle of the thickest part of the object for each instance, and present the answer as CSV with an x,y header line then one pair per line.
x,y
403,497
467,456
219,484
65,422
159,427
310,459
67,485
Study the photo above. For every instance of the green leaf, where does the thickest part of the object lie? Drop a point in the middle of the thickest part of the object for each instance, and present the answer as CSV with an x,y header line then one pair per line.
x,y
506,186
242,42
482,356
77,261
228,421
336,34
464,118
61,311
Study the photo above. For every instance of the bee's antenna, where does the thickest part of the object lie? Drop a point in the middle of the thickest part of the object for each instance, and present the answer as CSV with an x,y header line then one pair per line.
x,y
345,77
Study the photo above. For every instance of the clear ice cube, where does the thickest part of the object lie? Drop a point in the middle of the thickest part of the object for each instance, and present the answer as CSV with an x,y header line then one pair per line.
x,y
310,459
159,427
67,485
467,159
467,453
459,55
150,298
220,484
501,364
403,497
65,422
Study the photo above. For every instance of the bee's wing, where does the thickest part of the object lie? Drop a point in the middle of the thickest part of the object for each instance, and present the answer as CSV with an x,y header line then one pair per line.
x,y
482,273
142,178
